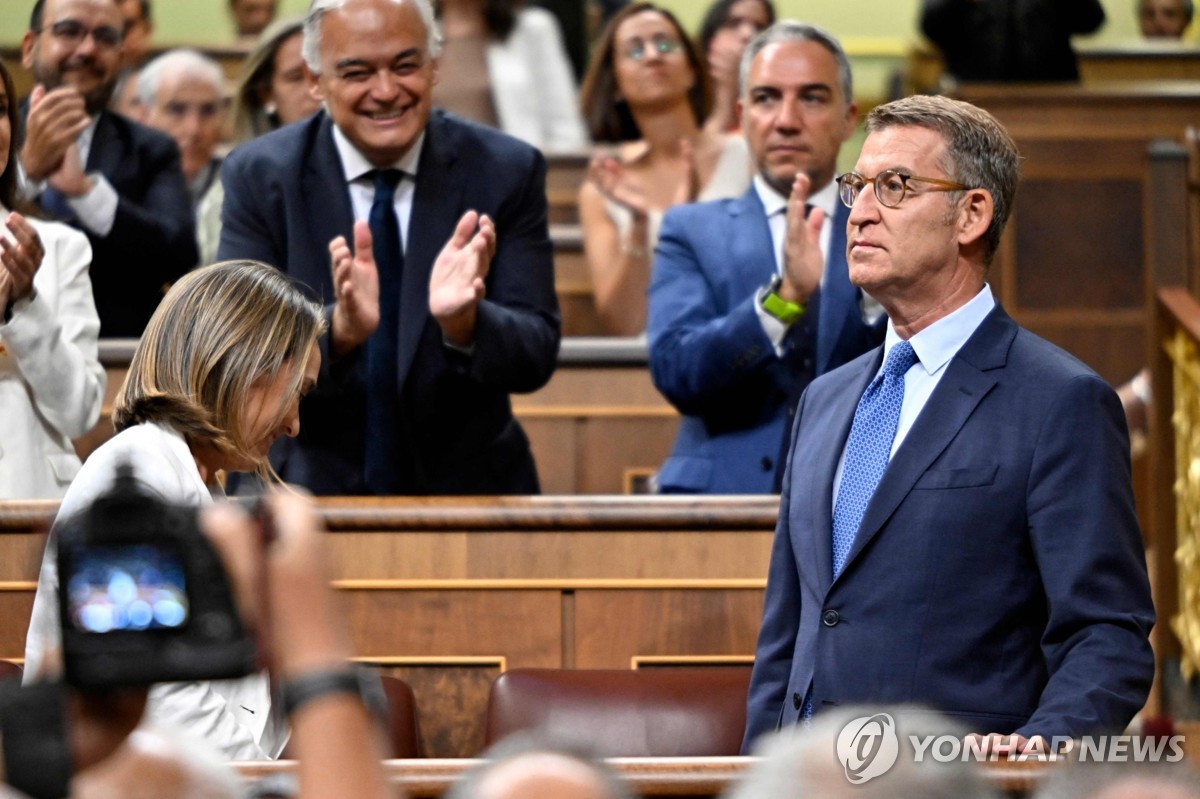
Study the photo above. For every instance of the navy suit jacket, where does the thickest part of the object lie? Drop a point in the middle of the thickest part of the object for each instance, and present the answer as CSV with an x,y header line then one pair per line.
x,y
710,357
153,238
999,574
286,198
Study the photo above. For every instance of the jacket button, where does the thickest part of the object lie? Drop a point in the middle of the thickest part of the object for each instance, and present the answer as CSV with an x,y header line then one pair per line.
x,y
796,701
830,618
767,464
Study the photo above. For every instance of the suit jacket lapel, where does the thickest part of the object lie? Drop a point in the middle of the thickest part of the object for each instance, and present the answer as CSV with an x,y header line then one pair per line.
x,y
839,297
966,382
106,153
326,196
437,205
750,250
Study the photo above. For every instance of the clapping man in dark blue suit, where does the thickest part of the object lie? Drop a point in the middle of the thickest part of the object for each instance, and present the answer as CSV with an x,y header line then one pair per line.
x,y
957,526
441,292
738,322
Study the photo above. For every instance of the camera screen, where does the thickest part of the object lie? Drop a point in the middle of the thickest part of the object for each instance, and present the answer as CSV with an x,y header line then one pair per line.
x,y
126,588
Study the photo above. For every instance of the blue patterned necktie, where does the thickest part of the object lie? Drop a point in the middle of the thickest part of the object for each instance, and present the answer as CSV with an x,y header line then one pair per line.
x,y
383,352
868,448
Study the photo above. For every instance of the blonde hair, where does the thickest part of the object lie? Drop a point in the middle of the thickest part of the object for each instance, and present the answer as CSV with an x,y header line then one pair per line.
x,y
217,331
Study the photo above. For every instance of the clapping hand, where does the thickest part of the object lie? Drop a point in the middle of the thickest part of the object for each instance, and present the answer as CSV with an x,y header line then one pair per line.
x,y
456,284
355,290
20,258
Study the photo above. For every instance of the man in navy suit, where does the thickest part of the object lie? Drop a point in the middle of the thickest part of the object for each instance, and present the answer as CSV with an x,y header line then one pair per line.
x,y
117,181
957,528
738,323
432,325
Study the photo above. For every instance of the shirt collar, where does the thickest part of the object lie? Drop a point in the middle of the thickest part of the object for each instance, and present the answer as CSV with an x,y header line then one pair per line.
x,y
938,343
774,203
355,165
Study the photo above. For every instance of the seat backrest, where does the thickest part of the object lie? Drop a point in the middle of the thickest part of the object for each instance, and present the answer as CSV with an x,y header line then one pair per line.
x,y
403,729
658,712
9,669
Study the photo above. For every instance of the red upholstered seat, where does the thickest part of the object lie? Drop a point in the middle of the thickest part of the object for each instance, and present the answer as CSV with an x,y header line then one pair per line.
x,y
657,712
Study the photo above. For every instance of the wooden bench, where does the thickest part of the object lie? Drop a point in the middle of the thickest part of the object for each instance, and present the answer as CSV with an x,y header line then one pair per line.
x,y
448,593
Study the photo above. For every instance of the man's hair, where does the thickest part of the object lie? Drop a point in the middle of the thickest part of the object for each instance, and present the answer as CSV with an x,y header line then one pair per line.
x,y
177,62
39,9
979,151
311,48
805,761
605,113
527,746
791,31
145,10
218,329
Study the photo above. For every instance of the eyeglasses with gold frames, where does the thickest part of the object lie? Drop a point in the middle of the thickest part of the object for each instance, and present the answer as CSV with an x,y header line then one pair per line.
x,y
891,186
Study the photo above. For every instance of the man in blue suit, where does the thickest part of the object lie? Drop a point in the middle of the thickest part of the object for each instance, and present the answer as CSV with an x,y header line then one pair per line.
x,y
738,322
957,527
441,295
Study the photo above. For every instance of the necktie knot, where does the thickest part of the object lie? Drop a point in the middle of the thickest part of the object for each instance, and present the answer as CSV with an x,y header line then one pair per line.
x,y
386,181
899,360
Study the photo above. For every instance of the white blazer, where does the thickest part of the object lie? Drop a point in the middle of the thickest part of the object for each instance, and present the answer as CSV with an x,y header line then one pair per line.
x,y
533,86
51,380
236,717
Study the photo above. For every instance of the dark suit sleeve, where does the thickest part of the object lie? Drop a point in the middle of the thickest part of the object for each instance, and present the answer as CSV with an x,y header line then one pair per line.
x,y
1082,16
518,327
1091,558
245,232
702,360
780,623
159,227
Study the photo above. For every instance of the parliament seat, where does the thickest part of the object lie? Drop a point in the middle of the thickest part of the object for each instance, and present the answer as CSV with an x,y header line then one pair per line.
x,y
649,712
403,730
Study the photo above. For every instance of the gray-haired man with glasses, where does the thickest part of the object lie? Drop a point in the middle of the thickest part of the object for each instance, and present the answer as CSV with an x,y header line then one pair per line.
x,y
742,315
117,181
957,526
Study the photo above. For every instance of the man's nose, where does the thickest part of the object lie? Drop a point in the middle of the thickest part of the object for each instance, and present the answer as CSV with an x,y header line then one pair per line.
x,y
788,117
384,85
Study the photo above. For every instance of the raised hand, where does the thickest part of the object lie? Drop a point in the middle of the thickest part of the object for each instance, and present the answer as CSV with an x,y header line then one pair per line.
x,y
355,290
19,260
611,178
56,119
803,263
456,284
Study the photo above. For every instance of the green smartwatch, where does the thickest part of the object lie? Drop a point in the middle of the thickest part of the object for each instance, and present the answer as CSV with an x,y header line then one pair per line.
x,y
781,309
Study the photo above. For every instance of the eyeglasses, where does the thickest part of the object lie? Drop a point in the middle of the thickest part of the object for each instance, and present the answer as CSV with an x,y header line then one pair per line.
x,y
890,185
636,50
72,32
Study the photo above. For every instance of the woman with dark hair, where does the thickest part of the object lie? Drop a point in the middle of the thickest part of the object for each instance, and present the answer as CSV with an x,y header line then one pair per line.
x,y
505,65
646,90
728,27
51,380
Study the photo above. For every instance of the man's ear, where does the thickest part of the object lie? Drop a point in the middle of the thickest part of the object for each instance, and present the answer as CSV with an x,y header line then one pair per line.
x,y
314,85
433,78
850,123
976,210
27,43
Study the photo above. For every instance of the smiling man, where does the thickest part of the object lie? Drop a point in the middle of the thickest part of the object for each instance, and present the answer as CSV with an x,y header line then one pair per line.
x,y
957,526
426,238
739,323
117,181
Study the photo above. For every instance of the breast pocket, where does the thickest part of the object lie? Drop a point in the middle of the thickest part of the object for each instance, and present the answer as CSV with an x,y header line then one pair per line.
x,y
972,477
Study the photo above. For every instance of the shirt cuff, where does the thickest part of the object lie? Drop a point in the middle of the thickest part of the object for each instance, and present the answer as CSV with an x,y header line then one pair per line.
x,y
775,329
97,210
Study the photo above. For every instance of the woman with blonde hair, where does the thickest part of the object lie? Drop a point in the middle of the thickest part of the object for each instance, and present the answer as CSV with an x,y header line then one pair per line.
x,y
215,379
646,91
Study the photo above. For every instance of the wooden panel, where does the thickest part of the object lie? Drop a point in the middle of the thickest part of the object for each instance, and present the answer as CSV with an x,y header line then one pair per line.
x,y
614,627
611,446
1116,352
1076,246
556,451
15,607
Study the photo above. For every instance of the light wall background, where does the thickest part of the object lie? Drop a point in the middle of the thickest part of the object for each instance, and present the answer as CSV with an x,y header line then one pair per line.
x,y
865,26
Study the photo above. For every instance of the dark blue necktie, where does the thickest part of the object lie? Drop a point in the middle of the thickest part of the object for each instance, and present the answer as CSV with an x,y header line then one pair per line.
x,y
868,448
383,379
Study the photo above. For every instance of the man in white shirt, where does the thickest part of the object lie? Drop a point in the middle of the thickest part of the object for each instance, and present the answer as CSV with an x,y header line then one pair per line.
x,y
117,181
957,526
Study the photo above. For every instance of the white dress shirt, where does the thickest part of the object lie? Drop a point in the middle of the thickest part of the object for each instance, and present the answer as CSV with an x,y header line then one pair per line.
x,y
356,168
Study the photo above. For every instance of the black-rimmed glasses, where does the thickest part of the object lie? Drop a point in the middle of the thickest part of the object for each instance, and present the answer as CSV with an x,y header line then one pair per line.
x,y
891,186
